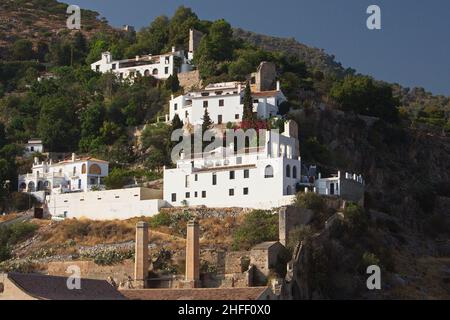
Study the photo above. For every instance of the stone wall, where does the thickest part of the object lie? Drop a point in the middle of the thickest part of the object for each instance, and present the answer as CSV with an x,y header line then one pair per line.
x,y
89,269
190,80
291,217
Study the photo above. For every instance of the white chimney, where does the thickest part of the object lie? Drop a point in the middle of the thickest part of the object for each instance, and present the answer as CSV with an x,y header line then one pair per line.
x,y
173,49
278,85
239,88
73,157
137,58
36,160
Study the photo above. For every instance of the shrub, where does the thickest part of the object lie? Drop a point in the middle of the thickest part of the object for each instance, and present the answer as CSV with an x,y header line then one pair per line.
x,y
368,259
356,219
21,201
258,226
311,201
298,234
21,231
76,228
161,219
109,257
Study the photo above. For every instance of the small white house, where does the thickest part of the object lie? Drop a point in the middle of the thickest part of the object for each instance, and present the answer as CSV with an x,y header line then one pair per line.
x,y
159,66
33,146
349,186
105,205
224,102
264,177
75,174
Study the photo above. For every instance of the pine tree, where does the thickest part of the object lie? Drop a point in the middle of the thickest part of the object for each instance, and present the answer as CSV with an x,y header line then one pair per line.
x,y
207,122
248,114
176,123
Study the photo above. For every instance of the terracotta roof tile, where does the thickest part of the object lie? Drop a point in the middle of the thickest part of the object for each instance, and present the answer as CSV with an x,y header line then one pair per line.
x,y
252,293
55,288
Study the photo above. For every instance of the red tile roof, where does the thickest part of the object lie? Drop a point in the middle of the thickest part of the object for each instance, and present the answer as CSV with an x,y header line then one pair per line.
x,y
252,293
271,93
45,287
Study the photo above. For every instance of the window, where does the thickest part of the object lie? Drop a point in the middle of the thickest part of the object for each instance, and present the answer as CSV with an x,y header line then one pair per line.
x,y
205,104
214,179
92,181
245,191
294,172
289,190
196,177
246,174
114,66
231,192
155,72
97,68
221,103
175,106
32,149
95,169
288,171
117,197
166,70
188,195
219,119
174,197
231,175
236,116
167,60
203,194
255,100
196,194
268,172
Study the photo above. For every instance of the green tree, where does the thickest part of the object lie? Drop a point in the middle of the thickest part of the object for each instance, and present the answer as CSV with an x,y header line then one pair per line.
x,y
257,226
183,20
57,125
22,50
172,83
176,123
207,122
248,114
154,38
362,95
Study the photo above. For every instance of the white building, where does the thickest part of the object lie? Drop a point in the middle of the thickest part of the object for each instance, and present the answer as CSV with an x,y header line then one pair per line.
x,y
263,177
34,145
225,103
75,174
159,66
349,186
105,205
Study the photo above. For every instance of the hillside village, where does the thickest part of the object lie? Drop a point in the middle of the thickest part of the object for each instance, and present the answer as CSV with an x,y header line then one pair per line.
x,y
281,215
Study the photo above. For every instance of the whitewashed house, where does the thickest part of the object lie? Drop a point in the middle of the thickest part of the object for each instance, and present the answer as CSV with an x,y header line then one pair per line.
x,y
224,102
159,66
33,146
264,177
75,174
348,186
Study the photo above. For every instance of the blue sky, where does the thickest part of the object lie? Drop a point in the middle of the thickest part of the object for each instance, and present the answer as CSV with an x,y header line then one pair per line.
x,y
412,48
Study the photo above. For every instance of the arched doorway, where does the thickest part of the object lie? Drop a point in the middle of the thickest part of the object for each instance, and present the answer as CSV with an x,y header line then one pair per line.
x,y
31,187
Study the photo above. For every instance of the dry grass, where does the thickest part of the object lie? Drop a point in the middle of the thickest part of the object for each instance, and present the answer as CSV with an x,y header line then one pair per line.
x,y
8,217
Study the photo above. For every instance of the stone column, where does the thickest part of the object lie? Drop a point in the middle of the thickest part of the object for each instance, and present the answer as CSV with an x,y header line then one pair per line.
x,y
192,255
141,255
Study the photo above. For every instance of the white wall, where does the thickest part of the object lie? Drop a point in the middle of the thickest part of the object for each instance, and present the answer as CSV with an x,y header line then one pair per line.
x,y
104,205
231,111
